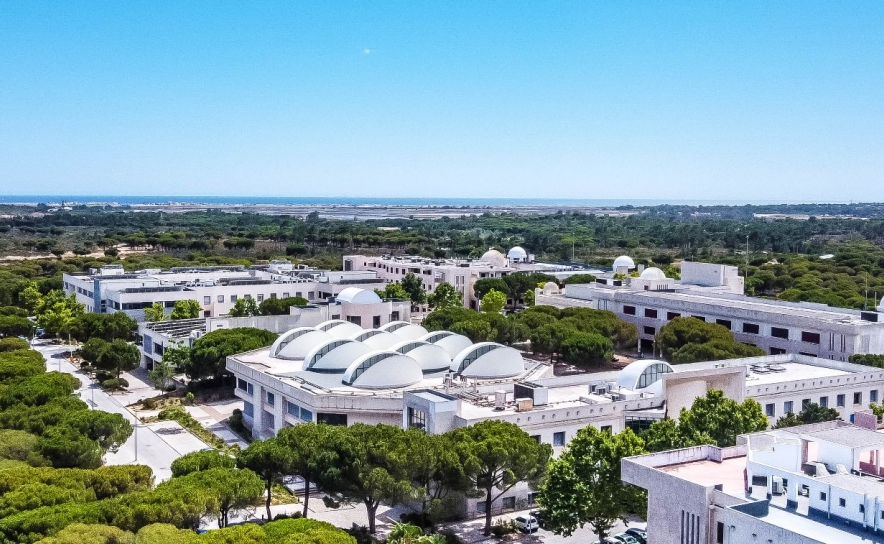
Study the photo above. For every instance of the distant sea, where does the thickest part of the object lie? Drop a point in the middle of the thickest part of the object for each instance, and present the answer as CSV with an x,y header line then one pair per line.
x,y
367,201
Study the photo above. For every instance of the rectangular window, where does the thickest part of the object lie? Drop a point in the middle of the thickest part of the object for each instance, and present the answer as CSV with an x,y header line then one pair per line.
x,y
536,438
804,403
532,498
672,315
250,389
559,438
651,313
607,429
271,398
269,420
241,384
509,503
650,330
272,295
822,495
787,407
750,328
355,319
857,398
417,419
260,298
629,310
293,409
769,410
232,298
824,402
248,409
777,351
777,332
220,298
306,415
839,401
332,419
842,503
724,323
719,533
480,507
810,337
376,321
700,317
207,300
286,295
862,509
873,395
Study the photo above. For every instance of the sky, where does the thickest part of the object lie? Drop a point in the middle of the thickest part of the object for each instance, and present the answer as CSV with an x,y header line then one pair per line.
x,y
488,99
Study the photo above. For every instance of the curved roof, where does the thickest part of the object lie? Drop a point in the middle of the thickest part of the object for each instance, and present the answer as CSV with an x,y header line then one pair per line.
x,y
550,288
297,343
652,273
334,355
624,261
340,328
355,295
381,340
631,377
405,330
488,360
494,258
452,343
383,370
430,357
517,253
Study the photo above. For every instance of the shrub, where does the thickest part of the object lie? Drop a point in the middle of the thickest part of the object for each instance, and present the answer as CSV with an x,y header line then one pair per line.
x,y
114,384
13,344
503,527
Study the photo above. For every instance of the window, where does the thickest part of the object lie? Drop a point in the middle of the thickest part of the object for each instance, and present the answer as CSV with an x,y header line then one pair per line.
x,y
286,295
417,419
777,332
332,419
242,384
207,300
862,509
857,398
822,495
839,401
248,409
480,507
220,298
293,409
651,313
355,319
650,330
260,298
272,295
824,402
376,321
842,503
629,310
559,438
672,315
509,503
271,398
536,438
810,337
769,410
724,323
719,533
787,407
532,498
804,403
777,351
750,328
607,429
700,317
232,298
269,420
873,395
247,297
306,415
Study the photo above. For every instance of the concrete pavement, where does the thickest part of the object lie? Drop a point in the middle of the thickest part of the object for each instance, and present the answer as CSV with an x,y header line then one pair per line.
x,y
158,444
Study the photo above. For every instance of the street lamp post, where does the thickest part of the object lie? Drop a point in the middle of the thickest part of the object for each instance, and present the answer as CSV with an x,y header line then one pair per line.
x,y
136,442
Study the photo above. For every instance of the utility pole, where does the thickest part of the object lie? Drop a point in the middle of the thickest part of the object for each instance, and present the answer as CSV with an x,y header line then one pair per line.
x,y
136,442
746,271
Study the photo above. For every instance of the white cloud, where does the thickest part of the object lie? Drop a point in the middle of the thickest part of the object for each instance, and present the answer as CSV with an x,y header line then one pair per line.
x,y
367,51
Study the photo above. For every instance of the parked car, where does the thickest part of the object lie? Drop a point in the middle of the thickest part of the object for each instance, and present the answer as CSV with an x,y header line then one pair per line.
x,y
609,540
527,524
626,538
541,519
639,534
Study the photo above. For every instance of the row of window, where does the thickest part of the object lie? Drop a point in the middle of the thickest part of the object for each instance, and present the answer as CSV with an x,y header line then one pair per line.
x,y
747,328
842,502
559,437
298,412
260,298
840,400
243,385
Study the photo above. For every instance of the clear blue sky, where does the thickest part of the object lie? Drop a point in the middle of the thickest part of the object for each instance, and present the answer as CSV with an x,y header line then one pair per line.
x,y
583,99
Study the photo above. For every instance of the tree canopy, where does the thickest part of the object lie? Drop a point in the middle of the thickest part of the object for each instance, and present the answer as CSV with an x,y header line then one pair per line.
x,y
691,340
208,355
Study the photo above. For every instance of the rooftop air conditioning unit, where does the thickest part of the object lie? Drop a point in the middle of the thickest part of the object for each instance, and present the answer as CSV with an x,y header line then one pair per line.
x,y
601,390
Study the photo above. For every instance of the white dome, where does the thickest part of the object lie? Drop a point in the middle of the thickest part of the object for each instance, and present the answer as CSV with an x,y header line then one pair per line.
x,y
494,258
380,340
550,288
644,375
488,360
452,343
430,357
383,370
404,330
624,261
334,356
339,328
355,295
517,254
297,343
652,273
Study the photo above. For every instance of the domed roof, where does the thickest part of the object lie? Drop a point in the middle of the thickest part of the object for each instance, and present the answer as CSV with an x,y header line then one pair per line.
x,y
452,343
550,288
644,374
430,357
517,253
335,355
624,261
297,343
383,370
652,273
494,258
404,330
488,360
355,295
339,328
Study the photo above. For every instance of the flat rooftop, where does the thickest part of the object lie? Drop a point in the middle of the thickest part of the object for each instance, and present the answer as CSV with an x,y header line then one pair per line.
x,y
708,473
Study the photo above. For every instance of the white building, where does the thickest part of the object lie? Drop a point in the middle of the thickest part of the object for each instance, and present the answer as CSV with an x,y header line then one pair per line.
x,y
351,304
713,293
462,274
813,484
217,288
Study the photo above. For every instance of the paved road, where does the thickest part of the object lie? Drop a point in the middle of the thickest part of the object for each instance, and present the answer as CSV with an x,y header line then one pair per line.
x,y
158,443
